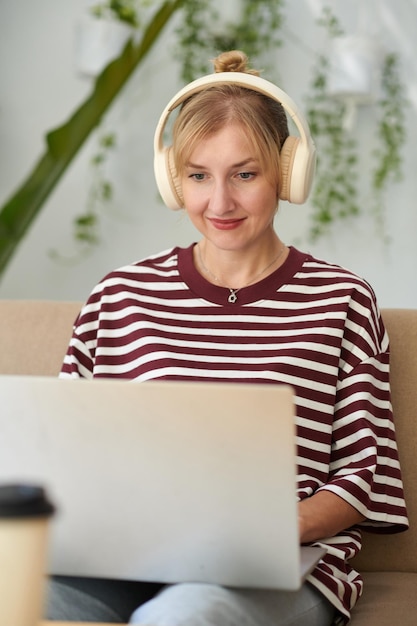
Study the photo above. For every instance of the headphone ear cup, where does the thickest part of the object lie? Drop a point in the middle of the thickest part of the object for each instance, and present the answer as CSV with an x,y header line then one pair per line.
x,y
298,164
287,155
173,177
166,178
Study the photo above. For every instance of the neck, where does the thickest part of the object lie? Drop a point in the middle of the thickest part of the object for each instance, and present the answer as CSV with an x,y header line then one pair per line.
x,y
236,273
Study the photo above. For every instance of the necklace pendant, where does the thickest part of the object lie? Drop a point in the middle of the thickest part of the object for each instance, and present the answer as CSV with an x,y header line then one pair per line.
x,y
232,297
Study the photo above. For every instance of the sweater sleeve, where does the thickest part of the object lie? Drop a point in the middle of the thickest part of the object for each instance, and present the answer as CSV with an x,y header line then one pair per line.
x,y
79,358
364,467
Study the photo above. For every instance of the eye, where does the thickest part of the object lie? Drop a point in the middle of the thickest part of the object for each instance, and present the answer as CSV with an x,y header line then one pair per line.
x,y
246,175
197,177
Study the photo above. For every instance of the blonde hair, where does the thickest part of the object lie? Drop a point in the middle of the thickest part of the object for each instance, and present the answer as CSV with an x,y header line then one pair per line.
x,y
205,113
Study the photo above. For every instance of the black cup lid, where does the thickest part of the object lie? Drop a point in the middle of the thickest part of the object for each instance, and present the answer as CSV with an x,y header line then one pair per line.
x,y
24,500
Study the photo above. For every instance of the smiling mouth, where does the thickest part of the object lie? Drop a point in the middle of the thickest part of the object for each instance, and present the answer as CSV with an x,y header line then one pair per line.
x,y
226,224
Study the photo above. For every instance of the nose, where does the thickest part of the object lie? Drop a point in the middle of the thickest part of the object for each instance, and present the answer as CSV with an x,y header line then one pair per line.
x,y
221,199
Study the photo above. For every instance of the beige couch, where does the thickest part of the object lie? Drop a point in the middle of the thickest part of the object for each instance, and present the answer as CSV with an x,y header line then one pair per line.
x,y
33,340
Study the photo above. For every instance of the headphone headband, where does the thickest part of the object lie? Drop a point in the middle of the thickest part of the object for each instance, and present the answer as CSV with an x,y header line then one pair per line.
x,y
298,154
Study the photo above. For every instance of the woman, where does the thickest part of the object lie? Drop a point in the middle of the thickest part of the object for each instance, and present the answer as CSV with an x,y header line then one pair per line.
x,y
242,306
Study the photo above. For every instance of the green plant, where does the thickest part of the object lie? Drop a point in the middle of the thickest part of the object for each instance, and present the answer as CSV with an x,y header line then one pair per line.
x,y
126,11
100,194
86,225
63,143
391,134
334,195
100,191
203,34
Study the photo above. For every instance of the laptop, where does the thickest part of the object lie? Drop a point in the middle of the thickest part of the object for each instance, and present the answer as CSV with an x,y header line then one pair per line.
x,y
161,481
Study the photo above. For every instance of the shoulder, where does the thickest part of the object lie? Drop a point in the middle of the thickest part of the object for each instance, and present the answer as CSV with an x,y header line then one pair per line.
x,y
164,259
132,280
148,269
334,278
126,285
338,293
327,271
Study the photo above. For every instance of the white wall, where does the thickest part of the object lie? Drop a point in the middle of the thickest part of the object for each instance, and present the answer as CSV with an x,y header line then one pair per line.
x,y
40,88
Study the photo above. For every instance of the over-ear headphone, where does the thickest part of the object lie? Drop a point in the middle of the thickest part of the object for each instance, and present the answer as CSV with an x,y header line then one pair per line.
x,y
298,154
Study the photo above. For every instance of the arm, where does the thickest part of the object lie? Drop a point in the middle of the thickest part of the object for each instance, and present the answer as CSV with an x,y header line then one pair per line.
x,y
324,515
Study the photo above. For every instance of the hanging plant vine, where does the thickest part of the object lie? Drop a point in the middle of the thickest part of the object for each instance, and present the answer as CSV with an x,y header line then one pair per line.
x,y
86,226
100,194
391,134
101,191
203,34
125,11
334,195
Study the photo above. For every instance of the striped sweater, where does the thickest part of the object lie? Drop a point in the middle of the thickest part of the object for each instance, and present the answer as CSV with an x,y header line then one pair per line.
x,y
310,324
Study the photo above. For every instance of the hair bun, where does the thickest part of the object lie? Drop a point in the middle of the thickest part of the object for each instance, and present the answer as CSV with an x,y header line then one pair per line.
x,y
233,61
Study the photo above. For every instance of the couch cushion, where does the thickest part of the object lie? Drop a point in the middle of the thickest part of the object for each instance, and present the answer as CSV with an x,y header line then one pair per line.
x,y
34,335
389,598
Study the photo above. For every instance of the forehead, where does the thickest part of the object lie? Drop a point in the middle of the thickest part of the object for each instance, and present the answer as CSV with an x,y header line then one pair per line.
x,y
228,141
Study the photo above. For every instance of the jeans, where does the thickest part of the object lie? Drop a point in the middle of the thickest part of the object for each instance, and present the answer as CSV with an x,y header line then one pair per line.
x,y
186,604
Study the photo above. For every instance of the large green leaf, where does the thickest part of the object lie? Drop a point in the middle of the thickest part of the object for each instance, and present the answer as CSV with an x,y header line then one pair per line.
x,y
63,143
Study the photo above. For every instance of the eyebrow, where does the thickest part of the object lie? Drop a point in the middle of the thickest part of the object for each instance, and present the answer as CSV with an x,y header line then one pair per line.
x,y
240,164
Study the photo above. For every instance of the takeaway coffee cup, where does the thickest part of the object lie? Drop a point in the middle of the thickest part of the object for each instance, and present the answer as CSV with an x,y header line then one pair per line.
x,y
24,515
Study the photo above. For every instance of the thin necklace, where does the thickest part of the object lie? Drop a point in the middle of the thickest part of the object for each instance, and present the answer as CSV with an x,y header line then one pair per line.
x,y
233,292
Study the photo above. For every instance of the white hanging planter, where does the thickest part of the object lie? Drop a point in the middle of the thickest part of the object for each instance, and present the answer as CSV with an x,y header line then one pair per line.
x,y
97,42
355,68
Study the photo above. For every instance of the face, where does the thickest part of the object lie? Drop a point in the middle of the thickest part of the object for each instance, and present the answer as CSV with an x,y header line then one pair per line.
x,y
227,194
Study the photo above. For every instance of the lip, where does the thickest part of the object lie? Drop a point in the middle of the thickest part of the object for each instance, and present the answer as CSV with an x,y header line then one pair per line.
x,y
225,224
